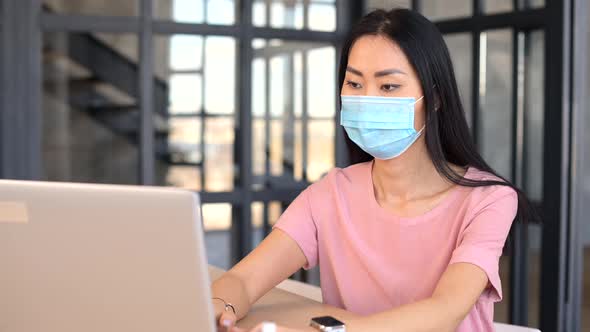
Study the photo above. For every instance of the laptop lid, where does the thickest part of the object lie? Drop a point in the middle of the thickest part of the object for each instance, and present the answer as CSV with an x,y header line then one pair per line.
x,y
84,257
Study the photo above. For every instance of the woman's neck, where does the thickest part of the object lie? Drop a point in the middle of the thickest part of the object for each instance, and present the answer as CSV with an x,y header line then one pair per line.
x,y
408,177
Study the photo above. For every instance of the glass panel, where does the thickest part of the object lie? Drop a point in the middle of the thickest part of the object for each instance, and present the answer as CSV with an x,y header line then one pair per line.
x,y
186,11
533,158
191,75
441,10
322,17
276,147
258,147
289,80
292,14
501,308
582,209
217,220
387,4
221,12
220,73
259,87
273,212
216,217
533,114
278,81
275,209
178,101
196,11
257,214
298,84
498,6
298,153
176,53
258,43
185,52
461,48
536,3
90,112
259,108
534,274
257,221
178,154
286,15
259,13
495,116
185,93
219,151
321,148
321,82
91,7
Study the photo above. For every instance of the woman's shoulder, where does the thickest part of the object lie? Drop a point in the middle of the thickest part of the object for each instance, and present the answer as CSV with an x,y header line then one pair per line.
x,y
489,194
340,179
477,174
350,174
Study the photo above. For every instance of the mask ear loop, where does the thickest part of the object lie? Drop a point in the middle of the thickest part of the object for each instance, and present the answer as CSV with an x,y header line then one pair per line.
x,y
418,100
423,127
433,86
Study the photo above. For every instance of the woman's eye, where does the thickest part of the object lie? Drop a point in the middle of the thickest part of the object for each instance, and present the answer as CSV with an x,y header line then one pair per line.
x,y
353,85
389,87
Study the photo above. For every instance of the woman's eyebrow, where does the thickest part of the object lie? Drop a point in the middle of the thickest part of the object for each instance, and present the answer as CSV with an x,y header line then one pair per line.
x,y
354,71
388,72
377,74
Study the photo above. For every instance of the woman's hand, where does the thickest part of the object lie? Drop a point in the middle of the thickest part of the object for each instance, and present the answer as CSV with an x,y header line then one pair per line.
x,y
226,320
274,260
260,328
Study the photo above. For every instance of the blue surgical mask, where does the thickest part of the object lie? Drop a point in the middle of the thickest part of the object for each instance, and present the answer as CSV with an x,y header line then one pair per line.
x,y
381,126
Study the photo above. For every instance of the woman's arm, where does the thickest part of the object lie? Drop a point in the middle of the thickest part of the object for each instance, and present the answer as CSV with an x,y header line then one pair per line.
x,y
473,267
274,260
455,295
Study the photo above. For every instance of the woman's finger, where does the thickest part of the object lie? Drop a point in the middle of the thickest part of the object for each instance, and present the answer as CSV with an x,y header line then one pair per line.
x,y
227,320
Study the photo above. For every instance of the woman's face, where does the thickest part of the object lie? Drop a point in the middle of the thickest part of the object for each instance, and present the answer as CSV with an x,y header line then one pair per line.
x,y
378,67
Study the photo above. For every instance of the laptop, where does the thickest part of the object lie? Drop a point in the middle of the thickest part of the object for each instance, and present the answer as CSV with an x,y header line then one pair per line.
x,y
103,258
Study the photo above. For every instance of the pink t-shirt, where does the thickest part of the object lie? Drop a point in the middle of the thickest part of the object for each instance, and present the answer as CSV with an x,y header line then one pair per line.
x,y
372,260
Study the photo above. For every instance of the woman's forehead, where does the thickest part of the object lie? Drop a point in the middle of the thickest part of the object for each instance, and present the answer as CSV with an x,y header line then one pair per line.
x,y
377,52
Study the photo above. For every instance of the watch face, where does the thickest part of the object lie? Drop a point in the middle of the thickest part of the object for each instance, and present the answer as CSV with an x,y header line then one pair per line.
x,y
327,321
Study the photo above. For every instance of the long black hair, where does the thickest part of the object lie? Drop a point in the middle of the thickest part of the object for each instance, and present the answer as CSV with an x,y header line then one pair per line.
x,y
447,135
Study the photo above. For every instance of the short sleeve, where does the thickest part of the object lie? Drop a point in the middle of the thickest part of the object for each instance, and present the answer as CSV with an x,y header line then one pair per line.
x,y
297,221
483,239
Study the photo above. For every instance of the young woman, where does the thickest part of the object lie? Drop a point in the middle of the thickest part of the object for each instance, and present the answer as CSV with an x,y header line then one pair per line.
x,y
410,235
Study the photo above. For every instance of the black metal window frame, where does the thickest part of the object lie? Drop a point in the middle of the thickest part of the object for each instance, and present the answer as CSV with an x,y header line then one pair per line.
x,y
554,20
146,27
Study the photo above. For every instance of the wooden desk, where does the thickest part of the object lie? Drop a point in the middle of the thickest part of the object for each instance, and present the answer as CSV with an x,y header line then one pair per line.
x,y
291,310
285,308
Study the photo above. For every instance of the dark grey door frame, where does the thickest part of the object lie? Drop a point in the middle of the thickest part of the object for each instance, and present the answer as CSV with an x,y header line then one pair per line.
x,y
557,244
20,97
559,285
580,155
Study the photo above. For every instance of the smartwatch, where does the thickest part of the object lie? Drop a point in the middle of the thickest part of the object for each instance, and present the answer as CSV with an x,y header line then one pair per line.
x,y
327,324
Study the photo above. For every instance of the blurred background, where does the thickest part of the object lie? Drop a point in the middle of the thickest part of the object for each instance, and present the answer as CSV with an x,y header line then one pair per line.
x,y
238,100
